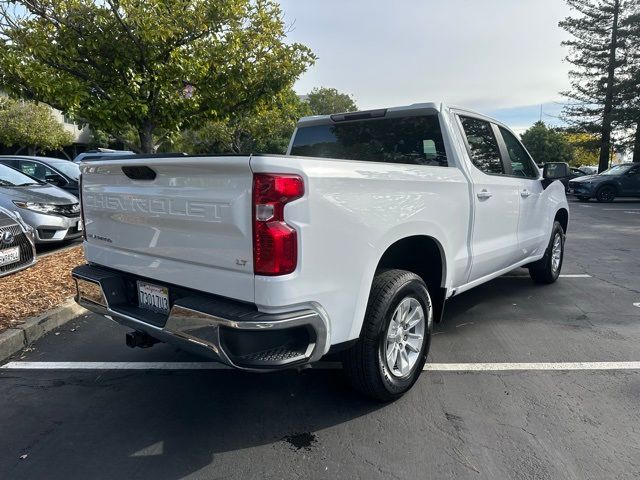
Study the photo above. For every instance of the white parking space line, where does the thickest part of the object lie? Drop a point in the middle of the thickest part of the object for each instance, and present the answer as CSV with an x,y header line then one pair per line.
x,y
568,275
432,367
561,366
113,366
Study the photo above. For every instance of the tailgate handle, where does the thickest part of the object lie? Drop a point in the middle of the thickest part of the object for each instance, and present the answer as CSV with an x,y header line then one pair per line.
x,y
141,172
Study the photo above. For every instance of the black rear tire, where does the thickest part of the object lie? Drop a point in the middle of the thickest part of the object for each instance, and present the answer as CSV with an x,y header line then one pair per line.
x,y
365,364
606,194
545,271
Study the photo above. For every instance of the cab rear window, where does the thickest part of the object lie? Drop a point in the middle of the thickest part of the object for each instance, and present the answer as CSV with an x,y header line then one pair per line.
x,y
407,140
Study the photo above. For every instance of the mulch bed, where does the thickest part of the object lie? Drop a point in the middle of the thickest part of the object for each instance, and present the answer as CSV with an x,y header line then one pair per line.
x,y
35,290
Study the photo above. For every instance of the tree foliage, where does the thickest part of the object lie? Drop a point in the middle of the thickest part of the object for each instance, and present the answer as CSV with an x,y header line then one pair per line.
x,y
31,125
152,66
267,129
585,146
599,39
547,145
325,101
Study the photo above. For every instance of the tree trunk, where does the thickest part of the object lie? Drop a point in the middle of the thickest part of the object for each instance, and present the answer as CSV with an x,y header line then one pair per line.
x,y
607,121
636,145
146,138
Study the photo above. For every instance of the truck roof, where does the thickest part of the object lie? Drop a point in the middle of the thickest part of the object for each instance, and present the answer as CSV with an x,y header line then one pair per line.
x,y
415,109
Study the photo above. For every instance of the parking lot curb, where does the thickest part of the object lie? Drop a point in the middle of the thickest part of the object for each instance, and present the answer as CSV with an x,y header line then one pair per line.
x,y
15,339
11,341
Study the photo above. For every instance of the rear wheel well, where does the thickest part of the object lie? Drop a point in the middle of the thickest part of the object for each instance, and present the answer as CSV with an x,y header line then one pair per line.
x,y
562,216
423,256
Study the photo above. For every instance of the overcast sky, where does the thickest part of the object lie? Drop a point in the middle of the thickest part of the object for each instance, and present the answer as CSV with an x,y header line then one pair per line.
x,y
502,57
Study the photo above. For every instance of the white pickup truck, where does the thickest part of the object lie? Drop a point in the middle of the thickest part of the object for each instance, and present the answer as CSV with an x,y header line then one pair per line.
x,y
351,242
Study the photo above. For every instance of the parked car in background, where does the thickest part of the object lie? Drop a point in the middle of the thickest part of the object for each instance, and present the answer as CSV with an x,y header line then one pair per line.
x,y
55,171
100,154
620,181
575,173
17,248
53,213
588,169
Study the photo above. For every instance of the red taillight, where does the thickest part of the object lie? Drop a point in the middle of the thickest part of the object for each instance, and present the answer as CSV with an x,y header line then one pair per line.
x,y
275,244
84,224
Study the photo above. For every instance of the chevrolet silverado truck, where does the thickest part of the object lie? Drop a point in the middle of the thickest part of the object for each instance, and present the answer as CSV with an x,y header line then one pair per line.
x,y
351,242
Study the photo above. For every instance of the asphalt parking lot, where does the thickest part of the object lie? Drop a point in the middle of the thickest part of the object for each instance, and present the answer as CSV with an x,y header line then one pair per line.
x,y
166,423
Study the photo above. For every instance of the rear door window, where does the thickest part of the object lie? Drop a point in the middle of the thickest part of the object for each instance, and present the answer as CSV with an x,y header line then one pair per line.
x,y
483,146
408,140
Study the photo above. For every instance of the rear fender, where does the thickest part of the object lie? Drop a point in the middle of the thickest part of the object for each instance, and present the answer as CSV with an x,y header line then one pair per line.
x,y
394,235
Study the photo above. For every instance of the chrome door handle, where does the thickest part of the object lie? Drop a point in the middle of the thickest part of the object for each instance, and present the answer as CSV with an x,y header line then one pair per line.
x,y
525,193
484,194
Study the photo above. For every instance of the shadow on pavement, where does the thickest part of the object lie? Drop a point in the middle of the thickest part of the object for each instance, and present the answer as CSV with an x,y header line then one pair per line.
x,y
162,425
46,248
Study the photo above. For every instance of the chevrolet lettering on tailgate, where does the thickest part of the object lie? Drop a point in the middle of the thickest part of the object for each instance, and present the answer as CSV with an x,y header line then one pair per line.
x,y
160,206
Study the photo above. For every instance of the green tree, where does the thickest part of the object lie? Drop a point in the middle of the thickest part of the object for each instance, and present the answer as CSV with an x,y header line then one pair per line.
x,y
152,66
31,125
586,147
325,101
596,50
547,145
267,129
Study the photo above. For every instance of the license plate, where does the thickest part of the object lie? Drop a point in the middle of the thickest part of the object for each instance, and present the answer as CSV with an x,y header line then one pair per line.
x,y
80,226
10,255
153,297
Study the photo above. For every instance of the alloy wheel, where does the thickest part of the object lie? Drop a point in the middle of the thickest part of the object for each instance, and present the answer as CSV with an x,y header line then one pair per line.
x,y
404,337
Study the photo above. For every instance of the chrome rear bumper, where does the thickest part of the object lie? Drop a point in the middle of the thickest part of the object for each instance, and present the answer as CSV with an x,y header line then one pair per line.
x,y
231,332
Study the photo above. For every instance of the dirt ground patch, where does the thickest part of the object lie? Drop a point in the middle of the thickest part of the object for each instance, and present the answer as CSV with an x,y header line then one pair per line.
x,y
37,289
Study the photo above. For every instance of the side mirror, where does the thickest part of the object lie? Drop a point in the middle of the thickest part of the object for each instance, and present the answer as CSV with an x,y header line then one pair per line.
x,y
556,171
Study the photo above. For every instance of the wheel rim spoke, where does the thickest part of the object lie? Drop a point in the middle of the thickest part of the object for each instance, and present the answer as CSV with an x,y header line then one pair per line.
x,y
404,362
392,333
403,312
392,354
414,318
413,345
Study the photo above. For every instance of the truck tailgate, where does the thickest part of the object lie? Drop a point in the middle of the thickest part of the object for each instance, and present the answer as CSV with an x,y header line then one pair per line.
x,y
190,225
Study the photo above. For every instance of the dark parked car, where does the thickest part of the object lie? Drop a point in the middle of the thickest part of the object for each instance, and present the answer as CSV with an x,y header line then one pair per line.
x,y
620,181
61,173
573,174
